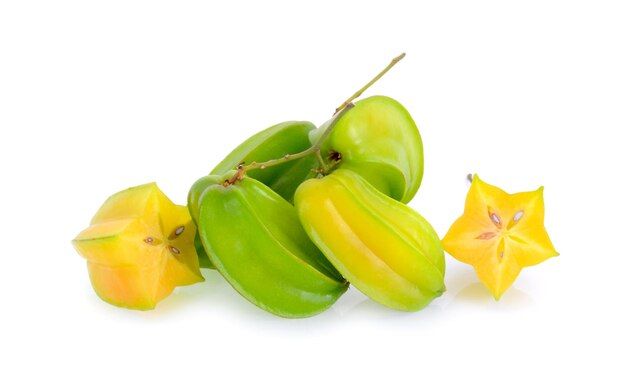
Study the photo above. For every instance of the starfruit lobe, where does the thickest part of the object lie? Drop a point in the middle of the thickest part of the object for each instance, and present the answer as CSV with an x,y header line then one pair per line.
x,y
379,140
193,205
381,246
499,234
253,237
139,247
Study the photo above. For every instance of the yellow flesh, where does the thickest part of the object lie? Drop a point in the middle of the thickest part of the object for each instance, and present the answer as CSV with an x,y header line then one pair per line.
x,y
134,257
499,234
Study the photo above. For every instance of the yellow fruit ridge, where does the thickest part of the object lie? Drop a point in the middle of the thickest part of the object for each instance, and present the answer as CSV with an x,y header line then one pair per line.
x,y
383,247
499,234
139,247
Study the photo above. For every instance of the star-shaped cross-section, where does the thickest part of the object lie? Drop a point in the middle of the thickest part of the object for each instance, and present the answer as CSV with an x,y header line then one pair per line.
x,y
139,247
499,234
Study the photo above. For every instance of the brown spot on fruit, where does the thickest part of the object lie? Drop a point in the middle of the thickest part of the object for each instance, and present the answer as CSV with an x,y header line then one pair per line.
x,y
334,156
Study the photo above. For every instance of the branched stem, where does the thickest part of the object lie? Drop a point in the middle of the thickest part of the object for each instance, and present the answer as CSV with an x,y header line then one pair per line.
x,y
320,159
316,148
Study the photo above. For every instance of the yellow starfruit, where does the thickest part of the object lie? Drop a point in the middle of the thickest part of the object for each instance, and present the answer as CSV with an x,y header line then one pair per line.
x,y
139,247
499,234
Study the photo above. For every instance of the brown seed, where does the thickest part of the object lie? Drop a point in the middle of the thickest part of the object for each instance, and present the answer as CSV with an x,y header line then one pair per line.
x,y
486,235
495,219
174,250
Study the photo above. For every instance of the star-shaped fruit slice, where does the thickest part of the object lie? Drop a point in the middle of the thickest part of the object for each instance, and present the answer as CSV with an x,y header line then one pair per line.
x,y
139,247
499,234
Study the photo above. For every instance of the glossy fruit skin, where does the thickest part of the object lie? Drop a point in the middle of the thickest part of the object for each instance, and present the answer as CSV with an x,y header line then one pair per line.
x,y
203,258
193,204
381,246
275,142
126,269
254,238
379,140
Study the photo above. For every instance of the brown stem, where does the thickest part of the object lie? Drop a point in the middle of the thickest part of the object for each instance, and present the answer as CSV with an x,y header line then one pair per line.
x,y
238,176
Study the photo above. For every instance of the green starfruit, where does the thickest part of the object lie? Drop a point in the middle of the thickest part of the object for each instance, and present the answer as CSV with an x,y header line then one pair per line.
x,y
275,142
254,239
379,140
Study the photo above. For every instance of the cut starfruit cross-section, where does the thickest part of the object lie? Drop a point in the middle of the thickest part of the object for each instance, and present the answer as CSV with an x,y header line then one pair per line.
x,y
499,234
139,247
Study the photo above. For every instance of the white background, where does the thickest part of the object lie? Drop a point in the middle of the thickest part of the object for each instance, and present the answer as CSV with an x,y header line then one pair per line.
x,y
99,96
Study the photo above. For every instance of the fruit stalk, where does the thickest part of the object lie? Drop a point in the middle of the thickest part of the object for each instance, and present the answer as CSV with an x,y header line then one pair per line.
x,y
315,149
359,92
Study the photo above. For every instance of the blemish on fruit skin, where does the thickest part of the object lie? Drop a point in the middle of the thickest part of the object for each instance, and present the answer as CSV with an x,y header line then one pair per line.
x,y
335,156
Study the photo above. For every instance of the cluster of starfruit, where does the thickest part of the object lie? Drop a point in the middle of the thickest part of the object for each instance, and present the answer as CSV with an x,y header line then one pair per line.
x,y
291,237
292,217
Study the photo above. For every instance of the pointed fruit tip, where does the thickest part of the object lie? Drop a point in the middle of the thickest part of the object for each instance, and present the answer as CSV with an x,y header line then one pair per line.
x,y
441,291
497,294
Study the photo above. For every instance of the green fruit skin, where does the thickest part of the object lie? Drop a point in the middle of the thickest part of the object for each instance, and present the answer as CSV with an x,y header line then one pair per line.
x,y
379,140
275,142
203,258
380,245
254,239
193,204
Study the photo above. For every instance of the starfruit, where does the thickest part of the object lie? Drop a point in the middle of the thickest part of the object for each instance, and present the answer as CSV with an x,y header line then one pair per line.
x,y
499,234
139,247
275,142
253,237
379,140
381,246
